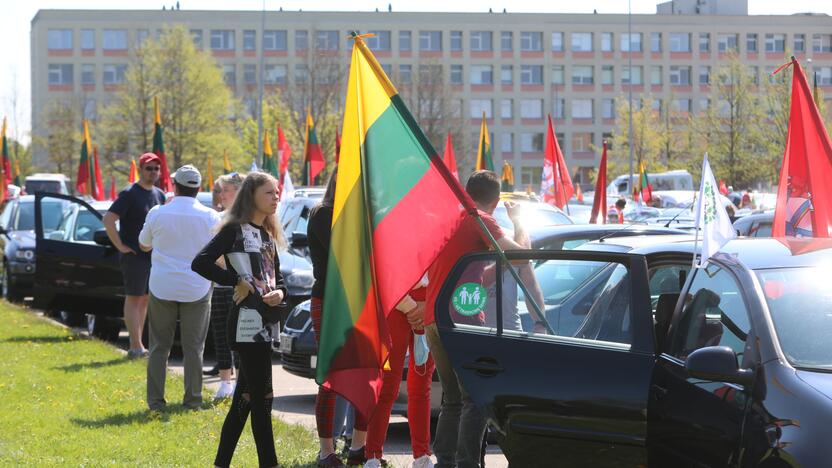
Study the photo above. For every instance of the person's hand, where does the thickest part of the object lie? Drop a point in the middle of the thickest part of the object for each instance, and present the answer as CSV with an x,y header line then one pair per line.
x,y
513,211
273,298
540,328
416,316
242,290
125,249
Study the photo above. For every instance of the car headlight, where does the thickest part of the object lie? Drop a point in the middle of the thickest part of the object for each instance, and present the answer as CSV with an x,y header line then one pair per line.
x,y
300,279
24,254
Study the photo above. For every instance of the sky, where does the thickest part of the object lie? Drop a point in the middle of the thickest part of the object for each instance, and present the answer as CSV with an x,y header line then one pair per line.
x,y
15,25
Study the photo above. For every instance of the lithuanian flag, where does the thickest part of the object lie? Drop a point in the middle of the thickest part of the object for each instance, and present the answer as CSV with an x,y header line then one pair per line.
x,y
390,179
165,182
508,177
85,180
4,151
644,187
209,176
7,162
17,180
313,156
484,160
269,161
97,186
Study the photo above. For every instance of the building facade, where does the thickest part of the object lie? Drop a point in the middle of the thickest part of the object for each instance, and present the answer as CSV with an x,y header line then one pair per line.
x,y
514,67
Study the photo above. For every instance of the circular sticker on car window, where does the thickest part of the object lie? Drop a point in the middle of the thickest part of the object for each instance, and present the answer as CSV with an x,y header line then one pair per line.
x,y
469,299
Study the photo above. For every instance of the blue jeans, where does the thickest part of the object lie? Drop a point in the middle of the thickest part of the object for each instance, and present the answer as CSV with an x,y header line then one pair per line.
x,y
461,426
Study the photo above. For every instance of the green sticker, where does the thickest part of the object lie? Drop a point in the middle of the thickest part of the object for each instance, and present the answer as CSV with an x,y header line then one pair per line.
x,y
469,299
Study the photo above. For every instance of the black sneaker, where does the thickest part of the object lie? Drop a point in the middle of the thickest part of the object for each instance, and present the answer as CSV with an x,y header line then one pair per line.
x,y
329,462
356,457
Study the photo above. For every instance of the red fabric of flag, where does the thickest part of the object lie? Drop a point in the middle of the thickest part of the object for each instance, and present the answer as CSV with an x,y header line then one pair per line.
x,y
804,199
449,157
599,202
557,185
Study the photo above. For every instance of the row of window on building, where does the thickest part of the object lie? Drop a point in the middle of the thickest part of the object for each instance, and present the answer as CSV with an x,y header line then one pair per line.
x,y
277,74
478,41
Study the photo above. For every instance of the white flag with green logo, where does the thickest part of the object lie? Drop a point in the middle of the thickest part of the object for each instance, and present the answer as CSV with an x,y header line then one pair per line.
x,y
711,216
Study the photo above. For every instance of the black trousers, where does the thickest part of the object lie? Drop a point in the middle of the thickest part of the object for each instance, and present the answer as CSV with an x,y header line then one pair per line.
x,y
253,395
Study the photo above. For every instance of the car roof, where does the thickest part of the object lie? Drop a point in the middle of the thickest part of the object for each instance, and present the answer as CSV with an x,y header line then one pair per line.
x,y
550,233
755,253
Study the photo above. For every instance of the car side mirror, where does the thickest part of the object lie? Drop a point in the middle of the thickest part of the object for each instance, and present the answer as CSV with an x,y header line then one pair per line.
x,y
717,364
300,239
100,237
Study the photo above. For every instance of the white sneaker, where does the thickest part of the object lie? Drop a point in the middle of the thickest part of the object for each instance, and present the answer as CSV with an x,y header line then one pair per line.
x,y
373,463
226,390
423,462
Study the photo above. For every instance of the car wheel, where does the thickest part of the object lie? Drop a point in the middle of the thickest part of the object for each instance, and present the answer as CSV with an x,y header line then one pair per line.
x,y
103,328
10,290
71,319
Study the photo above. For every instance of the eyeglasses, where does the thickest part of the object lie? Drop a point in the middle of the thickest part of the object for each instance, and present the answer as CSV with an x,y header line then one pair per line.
x,y
152,168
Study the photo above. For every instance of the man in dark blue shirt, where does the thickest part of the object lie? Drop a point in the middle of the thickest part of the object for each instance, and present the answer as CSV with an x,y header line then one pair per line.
x,y
130,210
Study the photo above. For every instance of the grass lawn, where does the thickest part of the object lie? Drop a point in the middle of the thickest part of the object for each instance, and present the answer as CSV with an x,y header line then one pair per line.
x,y
69,400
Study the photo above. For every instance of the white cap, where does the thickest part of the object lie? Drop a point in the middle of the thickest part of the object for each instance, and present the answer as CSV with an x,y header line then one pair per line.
x,y
188,176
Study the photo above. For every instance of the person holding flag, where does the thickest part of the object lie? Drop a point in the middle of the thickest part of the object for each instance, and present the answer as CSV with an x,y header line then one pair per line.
x,y
130,211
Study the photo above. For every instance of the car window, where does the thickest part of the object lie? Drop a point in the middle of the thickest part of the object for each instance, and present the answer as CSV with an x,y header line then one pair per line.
x,y
86,223
761,229
665,279
585,300
52,215
574,243
714,314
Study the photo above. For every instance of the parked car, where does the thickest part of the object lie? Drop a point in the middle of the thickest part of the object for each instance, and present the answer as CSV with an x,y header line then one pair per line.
x,y
755,225
533,214
17,243
730,367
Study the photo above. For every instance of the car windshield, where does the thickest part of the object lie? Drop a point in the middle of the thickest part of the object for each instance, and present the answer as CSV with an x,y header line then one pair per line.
x,y
800,303
52,216
532,215
34,186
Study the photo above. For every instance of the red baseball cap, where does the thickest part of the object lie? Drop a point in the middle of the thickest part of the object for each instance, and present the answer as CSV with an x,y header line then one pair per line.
x,y
149,158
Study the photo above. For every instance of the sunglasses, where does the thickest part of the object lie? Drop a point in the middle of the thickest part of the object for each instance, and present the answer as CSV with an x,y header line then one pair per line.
x,y
152,168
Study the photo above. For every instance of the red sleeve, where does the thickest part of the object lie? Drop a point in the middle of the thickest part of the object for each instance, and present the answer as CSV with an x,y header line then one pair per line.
x,y
492,226
418,294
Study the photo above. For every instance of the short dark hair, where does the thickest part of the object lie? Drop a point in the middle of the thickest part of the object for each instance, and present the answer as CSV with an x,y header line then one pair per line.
x,y
184,191
483,187
620,203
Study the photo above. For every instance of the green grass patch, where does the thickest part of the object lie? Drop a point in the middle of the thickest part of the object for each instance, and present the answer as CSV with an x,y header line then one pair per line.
x,y
69,400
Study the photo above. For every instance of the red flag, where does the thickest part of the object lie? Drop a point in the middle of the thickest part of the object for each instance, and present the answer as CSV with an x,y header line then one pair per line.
x,y
313,157
449,157
599,202
579,195
804,200
722,188
97,191
337,146
556,185
113,194
4,151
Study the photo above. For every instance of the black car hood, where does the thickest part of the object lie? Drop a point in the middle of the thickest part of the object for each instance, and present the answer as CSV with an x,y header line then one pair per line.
x,y
23,239
820,381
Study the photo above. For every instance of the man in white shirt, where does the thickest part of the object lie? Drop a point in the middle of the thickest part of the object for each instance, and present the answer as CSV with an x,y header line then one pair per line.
x,y
175,233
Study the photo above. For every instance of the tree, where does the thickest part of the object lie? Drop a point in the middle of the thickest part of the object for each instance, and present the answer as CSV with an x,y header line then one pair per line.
x,y
198,110
648,138
732,130
437,109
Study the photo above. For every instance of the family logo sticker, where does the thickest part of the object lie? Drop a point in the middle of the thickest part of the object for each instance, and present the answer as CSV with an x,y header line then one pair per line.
x,y
469,299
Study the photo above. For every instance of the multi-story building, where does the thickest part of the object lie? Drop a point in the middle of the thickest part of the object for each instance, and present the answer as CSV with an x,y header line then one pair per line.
x,y
514,67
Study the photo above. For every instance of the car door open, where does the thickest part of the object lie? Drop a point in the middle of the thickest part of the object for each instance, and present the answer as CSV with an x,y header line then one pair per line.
x,y
571,385
73,272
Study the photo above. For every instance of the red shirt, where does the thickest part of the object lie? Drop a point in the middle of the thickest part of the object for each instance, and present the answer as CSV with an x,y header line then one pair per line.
x,y
467,239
